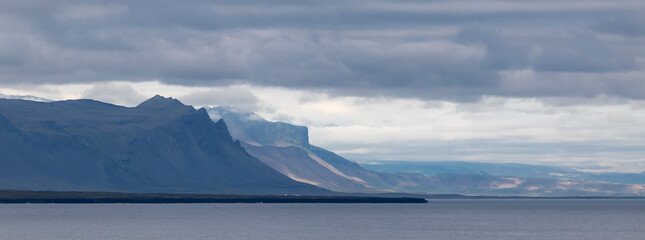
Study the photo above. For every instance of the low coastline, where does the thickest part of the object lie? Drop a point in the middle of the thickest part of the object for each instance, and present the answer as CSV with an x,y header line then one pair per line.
x,y
16,196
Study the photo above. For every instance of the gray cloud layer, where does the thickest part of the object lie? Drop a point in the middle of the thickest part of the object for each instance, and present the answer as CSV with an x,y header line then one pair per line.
x,y
456,50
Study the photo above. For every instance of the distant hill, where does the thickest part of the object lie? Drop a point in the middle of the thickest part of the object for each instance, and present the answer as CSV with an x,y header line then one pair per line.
x,y
161,145
500,169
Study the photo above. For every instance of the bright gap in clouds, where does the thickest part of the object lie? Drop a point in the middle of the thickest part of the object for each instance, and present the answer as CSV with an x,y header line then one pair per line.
x,y
600,134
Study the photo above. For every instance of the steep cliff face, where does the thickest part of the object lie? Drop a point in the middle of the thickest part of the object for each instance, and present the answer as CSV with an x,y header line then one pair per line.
x,y
253,129
161,145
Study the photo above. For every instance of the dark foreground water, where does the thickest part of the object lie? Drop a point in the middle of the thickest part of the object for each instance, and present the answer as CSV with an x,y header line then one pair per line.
x,y
439,219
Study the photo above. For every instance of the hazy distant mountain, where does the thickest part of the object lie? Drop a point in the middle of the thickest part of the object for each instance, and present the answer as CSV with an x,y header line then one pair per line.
x,y
501,169
286,148
25,97
161,145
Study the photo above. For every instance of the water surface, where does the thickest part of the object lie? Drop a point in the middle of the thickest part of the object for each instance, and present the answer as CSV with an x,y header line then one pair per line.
x,y
439,219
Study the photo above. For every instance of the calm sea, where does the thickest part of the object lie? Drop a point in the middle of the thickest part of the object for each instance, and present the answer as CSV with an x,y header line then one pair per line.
x,y
439,219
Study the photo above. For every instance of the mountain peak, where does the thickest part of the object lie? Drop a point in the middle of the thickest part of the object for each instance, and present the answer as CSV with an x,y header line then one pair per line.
x,y
159,101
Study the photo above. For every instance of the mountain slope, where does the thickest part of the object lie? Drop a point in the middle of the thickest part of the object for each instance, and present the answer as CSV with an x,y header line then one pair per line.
x,y
298,164
161,145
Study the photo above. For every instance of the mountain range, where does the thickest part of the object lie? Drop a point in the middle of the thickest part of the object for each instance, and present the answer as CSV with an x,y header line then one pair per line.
x,y
161,145
165,146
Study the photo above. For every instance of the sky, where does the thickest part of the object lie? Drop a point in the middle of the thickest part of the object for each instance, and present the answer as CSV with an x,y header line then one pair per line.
x,y
558,83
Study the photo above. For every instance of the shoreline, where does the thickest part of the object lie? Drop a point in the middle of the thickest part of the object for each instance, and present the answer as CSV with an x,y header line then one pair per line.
x,y
21,197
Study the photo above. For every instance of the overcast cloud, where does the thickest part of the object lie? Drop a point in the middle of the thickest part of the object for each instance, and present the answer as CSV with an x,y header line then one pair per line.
x,y
456,50
564,73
